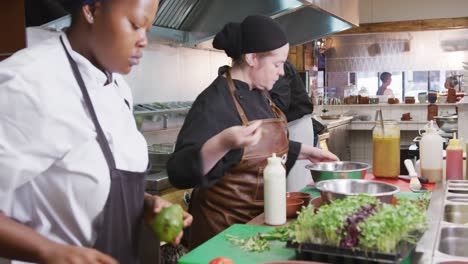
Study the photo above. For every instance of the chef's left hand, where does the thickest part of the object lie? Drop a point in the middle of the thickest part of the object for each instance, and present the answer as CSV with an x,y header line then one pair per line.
x,y
314,154
154,204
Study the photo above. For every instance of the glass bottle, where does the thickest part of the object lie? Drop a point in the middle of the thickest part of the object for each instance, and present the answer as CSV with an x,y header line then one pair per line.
x,y
386,149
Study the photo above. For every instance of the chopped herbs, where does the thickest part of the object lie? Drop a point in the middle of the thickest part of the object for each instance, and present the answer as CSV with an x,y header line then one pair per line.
x,y
260,242
255,243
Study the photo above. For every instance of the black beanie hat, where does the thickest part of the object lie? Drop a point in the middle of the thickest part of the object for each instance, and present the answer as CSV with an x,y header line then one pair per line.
x,y
255,34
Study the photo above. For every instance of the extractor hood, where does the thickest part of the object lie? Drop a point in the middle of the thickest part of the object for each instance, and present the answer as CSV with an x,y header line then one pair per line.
x,y
189,22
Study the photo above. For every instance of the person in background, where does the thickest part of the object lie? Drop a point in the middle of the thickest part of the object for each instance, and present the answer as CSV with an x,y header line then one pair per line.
x,y
450,84
290,95
386,79
73,163
231,129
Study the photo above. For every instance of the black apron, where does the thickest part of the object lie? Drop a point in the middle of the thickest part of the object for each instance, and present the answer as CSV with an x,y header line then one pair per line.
x,y
120,220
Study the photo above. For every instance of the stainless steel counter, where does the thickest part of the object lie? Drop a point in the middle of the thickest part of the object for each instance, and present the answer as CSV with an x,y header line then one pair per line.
x,y
447,237
425,248
157,182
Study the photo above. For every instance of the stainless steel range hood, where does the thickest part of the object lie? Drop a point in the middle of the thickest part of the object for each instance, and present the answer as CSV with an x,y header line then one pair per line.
x,y
189,22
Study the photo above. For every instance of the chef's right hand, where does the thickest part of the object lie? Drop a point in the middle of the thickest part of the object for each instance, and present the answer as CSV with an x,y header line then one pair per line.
x,y
237,137
59,254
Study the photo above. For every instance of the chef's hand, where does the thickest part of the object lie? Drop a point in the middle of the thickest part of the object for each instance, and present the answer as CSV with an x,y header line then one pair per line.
x,y
314,154
59,254
237,137
154,204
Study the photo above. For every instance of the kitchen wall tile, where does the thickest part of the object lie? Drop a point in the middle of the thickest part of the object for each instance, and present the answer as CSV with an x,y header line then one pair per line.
x,y
169,73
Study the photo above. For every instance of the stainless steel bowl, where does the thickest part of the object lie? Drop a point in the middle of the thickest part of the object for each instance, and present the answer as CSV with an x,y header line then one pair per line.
x,y
341,188
337,170
448,124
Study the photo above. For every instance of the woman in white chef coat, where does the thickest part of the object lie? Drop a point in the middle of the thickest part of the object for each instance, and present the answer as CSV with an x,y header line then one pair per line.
x,y
72,161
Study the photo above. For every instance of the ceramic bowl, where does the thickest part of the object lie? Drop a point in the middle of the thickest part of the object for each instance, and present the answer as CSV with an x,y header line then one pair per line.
x,y
293,205
300,195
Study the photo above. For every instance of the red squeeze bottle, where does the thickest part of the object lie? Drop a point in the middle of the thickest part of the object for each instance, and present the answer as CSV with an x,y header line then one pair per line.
x,y
454,159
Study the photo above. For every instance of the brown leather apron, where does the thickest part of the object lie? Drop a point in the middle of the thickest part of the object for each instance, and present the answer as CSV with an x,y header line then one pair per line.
x,y
238,196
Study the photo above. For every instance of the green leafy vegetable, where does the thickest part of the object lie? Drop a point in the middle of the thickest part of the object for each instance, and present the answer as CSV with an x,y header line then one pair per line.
x,y
282,233
380,230
425,198
254,244
325,226
392,224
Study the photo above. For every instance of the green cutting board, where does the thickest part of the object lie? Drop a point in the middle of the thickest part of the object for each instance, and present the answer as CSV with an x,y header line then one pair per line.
x,y
218,246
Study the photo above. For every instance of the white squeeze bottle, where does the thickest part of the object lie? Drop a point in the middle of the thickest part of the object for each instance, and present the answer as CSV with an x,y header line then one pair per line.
x,y
274,177
430,153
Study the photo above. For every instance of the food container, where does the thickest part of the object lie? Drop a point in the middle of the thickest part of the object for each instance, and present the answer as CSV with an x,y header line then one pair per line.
x,y
341,188
158,155
293,205
299,195
373,100
422,97
409,100
386,149
448,124
337,170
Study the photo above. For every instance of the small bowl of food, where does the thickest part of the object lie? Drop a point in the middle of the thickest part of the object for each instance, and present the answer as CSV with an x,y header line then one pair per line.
x,y
341,188
293,206
299,195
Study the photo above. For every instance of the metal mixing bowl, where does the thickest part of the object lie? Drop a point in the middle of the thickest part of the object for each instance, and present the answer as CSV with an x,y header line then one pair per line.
x,y
337,170
341,188
448,124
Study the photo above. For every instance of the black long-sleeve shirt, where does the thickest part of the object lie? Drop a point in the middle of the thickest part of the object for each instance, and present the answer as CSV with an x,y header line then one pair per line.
x,y
212,112
290,95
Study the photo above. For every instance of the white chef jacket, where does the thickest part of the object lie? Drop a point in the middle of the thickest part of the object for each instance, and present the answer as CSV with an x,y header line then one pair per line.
x,y
300,130
53,174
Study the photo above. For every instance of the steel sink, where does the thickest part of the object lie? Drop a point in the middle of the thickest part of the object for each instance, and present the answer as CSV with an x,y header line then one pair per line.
x,y
454,241
456,213
458,199
458,190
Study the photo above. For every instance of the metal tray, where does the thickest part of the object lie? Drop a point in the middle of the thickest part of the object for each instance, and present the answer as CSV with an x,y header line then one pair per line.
x,y
330,254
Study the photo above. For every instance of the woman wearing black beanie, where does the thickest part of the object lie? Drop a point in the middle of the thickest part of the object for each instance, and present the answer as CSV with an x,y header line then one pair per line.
x,y
232,128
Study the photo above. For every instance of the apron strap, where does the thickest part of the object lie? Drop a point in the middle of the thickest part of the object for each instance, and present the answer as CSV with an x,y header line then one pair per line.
x,y
232,88
101,138
279,114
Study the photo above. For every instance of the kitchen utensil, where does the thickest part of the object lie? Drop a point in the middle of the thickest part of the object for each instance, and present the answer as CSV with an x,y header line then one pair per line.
x,y
337,170
158,155
330,117
386,149
381,121
373,100
300,195
379,117
414,185
448,124
341,188
407,178
293,205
